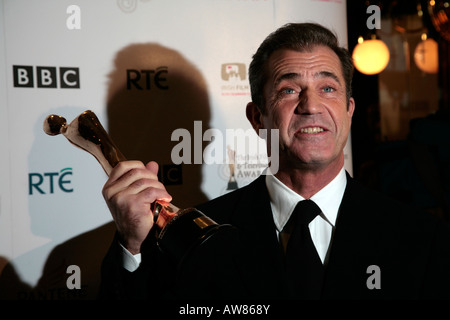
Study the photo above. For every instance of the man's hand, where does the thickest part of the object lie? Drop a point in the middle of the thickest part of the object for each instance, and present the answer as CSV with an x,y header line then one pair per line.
x,y
131,189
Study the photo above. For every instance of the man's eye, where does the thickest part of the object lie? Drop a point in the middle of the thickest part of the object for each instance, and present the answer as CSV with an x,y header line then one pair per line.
x,y
328,89
289,91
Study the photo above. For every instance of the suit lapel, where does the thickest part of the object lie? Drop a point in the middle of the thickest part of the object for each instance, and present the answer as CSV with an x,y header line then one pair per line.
x,y
353,248
262,260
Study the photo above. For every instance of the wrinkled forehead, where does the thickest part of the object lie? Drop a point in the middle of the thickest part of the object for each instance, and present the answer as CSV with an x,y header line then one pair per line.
x,y
317,62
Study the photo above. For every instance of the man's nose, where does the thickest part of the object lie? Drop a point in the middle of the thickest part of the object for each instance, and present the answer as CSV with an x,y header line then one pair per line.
x,y
309,103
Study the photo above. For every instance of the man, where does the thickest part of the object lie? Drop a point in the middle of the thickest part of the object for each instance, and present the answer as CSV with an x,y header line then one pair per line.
x,y
366,245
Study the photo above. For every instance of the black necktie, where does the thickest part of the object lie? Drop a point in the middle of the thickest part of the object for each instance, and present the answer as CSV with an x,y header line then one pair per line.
x,y
304,268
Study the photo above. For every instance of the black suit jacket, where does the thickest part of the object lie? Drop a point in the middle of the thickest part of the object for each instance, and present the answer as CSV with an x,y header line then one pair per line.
x,y
409,249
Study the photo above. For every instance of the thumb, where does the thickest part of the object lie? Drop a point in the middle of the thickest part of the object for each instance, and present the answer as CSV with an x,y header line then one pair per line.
x,y
153,167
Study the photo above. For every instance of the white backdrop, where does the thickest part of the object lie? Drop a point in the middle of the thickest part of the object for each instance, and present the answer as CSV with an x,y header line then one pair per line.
x,y
146,68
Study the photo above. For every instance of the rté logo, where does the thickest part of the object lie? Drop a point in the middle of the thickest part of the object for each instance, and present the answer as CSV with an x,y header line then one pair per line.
x,y
143,79
47,182
46,77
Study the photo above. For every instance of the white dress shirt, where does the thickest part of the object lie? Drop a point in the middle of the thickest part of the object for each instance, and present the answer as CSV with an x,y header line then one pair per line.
x,y
283,201
130,261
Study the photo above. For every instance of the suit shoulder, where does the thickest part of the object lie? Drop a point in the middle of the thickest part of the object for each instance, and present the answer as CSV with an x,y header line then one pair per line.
x,y
222,208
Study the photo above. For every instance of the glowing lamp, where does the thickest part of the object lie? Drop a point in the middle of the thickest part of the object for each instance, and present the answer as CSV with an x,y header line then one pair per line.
x,y
426,55
370,56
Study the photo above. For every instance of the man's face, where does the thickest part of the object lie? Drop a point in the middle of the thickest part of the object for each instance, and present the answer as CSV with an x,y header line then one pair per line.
x,y
306,100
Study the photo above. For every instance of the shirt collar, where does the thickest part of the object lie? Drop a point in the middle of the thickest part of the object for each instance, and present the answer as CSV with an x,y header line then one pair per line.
x,y
283,199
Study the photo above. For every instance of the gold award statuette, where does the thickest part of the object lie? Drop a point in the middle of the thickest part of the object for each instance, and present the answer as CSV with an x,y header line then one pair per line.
x,y
180,230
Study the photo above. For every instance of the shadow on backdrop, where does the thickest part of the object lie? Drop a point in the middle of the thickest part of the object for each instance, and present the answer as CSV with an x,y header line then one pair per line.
x,y
154,90
85,251
57,235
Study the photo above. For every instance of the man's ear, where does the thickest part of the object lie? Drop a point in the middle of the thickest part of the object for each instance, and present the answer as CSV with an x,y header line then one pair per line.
x,y
254,115
351,108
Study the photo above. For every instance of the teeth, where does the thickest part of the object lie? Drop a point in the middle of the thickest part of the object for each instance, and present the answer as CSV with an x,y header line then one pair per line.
x,y
311,130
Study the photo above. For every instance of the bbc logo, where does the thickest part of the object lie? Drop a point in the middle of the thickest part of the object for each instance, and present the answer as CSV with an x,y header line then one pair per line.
x,y
46,77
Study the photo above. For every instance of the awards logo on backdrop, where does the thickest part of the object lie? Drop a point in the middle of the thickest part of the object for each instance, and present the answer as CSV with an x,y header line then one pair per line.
x,y
148,69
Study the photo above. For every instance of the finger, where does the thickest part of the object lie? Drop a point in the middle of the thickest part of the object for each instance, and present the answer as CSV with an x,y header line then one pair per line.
x,y
150,195
125,175
134,181
143,184
137,203
122,167
131,182
154,167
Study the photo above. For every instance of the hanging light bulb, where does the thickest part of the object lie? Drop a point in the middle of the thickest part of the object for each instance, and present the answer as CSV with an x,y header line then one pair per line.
x,y
370,56
426,55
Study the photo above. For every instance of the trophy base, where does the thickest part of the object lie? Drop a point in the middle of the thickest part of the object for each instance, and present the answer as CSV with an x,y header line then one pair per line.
x,y
232,185
187,230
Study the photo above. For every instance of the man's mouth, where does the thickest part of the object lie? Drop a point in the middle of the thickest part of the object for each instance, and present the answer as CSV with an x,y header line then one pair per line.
x,y
311,130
